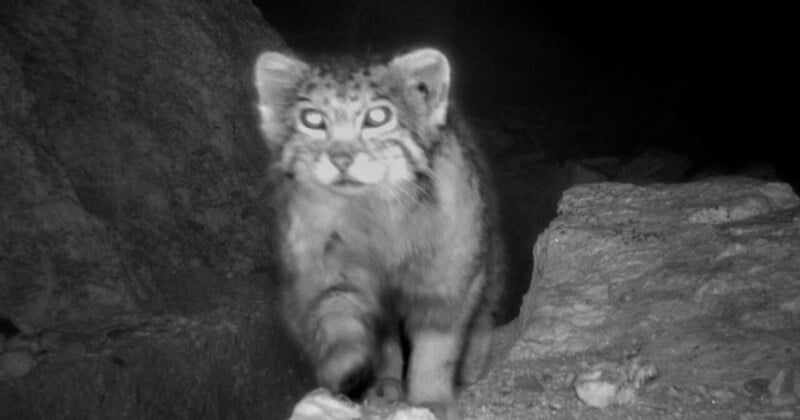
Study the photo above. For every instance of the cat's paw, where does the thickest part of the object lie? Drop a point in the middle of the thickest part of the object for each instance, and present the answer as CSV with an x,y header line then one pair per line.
x,y
386,390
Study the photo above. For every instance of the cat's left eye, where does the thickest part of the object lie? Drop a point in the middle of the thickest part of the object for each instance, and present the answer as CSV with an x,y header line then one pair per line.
x,y
377,116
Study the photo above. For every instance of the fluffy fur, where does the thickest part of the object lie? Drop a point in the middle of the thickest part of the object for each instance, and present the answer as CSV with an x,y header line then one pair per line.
x,y
388,232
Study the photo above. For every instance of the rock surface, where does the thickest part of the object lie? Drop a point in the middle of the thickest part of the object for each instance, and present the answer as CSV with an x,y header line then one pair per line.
x,y
132,233
700,280
128,154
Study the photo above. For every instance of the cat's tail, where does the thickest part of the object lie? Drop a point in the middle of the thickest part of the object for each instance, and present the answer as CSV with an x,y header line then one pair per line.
x,y
343,339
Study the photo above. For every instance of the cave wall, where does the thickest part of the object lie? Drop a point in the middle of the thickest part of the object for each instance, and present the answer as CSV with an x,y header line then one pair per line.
x,y
133,237
129,152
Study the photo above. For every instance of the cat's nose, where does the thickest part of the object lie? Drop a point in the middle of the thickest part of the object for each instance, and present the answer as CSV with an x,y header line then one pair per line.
x,y
341,160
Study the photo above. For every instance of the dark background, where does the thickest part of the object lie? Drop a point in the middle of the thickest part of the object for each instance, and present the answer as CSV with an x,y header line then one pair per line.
x,y
713,81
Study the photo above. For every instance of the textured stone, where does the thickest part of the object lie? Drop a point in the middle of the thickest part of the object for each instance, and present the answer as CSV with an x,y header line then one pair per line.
x,y
128,149
667,253
699,279
16,363
609,383
132,179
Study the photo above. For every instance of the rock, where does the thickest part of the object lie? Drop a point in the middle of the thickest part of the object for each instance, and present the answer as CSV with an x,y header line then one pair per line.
x,y
654,166
757,387
122,164
129,150
615,249
412,413
528,382
7,328
721,396
700,279
583,174
781,400
20,343
782,388
610,383
72,351
15,364
596,393
779,385
321,405
795,376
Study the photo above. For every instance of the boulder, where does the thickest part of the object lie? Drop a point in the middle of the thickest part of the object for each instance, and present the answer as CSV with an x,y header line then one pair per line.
x,y
658,301
133,236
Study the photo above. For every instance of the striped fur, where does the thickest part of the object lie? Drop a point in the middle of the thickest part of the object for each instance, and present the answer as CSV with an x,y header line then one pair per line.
x,y
388,227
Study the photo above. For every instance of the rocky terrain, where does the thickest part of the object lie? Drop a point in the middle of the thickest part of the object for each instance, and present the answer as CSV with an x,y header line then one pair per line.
x,y
658,301
136,266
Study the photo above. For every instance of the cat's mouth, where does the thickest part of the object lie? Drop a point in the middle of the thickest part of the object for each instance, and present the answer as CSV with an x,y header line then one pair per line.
x,y
347,184
346,181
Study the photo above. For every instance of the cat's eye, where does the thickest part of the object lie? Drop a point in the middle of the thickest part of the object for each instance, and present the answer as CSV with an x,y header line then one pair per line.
x,y
377,116
312,119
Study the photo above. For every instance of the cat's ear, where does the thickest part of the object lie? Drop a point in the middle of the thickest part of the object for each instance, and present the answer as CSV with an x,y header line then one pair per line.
x,y
426,73
275,74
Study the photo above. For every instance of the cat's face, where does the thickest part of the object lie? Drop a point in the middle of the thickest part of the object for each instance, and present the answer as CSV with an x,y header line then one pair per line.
x,y
350,128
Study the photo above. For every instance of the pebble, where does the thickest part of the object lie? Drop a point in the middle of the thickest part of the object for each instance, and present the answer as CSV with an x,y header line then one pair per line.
x,y
321,405
608,383
598,394
721,396
412,413
781,383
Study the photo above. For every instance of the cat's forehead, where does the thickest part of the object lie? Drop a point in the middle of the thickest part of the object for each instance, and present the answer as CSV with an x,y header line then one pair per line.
x,y
344,81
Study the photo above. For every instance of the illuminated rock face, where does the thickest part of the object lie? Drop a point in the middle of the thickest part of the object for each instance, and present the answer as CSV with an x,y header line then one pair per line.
x,y
621,259
659,295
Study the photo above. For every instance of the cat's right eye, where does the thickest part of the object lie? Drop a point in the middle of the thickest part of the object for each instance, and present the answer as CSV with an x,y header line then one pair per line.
x,y
312,119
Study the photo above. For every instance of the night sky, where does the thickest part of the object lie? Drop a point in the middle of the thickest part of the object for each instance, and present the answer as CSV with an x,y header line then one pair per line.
x,y
716,83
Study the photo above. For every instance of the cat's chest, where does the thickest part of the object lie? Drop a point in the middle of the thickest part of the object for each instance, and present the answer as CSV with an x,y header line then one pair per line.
x,y
385,233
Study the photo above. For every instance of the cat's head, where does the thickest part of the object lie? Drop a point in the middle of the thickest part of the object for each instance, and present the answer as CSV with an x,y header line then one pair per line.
x,y
350,127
